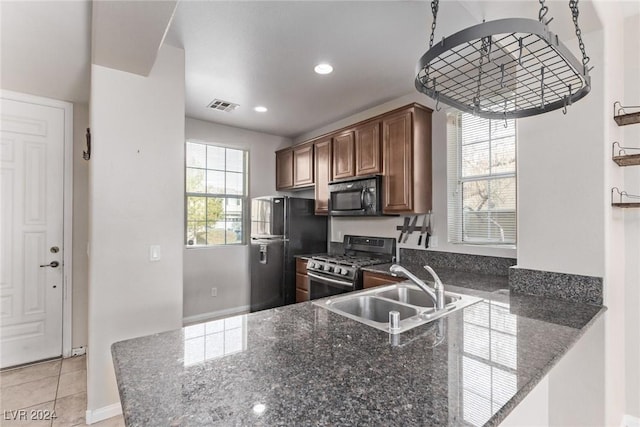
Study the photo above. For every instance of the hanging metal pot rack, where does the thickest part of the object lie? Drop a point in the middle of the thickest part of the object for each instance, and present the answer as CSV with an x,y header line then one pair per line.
x,y
504,69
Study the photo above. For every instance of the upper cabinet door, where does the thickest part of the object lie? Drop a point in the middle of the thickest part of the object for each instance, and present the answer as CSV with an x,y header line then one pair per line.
x,y
303,165
343,155
398,163
322,175
284,169
368,149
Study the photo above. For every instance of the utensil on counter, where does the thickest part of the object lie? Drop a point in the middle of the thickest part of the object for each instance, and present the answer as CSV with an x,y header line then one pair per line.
x,y
426,240
411,228
404,228
423,229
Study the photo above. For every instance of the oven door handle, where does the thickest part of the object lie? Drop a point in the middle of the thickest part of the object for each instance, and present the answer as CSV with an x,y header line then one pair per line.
x,y
341,283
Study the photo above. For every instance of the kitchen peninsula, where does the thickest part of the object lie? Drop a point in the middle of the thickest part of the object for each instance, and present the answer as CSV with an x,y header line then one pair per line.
x,y
304,365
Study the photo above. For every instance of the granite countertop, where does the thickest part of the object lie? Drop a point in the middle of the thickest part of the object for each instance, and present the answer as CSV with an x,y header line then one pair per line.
x,y
304,365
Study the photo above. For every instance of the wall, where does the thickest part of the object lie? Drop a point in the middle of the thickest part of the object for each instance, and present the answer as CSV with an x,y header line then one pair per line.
x,y
386,226
136,185
631,138
80,226
560,181
566,222
227,267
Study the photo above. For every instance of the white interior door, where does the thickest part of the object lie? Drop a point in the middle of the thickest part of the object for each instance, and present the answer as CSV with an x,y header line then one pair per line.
x,y
31,231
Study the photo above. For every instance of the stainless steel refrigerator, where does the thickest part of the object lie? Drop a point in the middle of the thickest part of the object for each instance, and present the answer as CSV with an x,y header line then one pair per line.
x,y
281,227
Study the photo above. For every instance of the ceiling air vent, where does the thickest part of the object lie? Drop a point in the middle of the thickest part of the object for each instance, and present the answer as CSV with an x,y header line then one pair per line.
x,y
218,104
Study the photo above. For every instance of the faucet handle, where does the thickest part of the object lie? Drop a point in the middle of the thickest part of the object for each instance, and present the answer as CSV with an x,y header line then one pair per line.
x,y
394,320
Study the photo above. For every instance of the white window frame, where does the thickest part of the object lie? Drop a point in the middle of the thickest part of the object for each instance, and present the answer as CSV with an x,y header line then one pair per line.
x,y
244,197
455,181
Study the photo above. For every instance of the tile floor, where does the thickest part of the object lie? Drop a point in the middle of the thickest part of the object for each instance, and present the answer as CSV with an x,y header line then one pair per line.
x,y
58,386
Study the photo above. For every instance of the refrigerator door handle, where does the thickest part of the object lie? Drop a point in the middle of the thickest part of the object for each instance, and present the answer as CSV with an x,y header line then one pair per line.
x,y
263,254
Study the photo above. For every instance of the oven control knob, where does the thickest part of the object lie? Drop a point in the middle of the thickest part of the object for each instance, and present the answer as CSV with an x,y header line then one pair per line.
x,y
344,272
310,264
327,267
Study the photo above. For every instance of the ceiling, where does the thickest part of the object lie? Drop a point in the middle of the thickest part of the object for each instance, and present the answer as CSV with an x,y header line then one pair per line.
x,y
46,48
263,53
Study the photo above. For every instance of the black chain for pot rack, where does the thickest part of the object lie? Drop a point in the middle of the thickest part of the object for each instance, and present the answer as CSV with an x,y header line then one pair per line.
x,y
504,69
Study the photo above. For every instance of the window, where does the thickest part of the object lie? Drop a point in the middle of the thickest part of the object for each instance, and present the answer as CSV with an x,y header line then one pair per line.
x,y
481,180
215,196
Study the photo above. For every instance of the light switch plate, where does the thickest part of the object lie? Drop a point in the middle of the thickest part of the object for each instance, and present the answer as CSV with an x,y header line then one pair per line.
x,y
154,253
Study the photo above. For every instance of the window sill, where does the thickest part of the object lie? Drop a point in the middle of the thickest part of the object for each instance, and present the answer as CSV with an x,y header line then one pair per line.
x,y
488,245
235,245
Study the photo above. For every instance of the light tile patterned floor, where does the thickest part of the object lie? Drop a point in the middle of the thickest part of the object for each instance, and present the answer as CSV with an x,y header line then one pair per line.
x,y
57,387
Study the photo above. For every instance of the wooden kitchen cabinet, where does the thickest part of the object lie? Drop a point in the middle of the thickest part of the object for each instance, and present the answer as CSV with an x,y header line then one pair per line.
x,y
322,168
303,165
284,169
396,144
343,155
302,284
406,158
371,280
294,167
368,158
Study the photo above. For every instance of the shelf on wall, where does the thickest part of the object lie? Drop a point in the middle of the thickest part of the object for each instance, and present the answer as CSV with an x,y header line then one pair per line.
x,y
623,118
627,160
622,158
626,205
624,199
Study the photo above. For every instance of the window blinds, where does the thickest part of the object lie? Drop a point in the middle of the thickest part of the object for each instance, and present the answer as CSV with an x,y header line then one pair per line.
x,y
481,179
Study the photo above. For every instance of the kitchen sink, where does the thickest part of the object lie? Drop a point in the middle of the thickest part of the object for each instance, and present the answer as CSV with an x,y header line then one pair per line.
x,y
372,306
374,309
407,295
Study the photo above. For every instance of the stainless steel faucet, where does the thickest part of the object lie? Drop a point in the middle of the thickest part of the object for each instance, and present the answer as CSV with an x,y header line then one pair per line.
x,y
437,293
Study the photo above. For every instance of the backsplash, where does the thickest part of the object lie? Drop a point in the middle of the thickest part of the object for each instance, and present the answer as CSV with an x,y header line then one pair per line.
x,y
336,248
464,262
573,287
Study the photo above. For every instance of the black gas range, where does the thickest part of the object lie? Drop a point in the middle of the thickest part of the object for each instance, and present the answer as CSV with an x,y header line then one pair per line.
x,y
335,274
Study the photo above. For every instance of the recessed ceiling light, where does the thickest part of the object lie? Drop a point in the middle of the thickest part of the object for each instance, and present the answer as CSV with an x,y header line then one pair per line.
x,y
260,109
323,69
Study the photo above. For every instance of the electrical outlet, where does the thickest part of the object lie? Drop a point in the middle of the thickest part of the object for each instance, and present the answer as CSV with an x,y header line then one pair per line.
x,y
214,292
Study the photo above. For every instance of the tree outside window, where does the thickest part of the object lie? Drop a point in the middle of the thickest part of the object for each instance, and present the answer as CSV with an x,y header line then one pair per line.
x,y
482,179
215,196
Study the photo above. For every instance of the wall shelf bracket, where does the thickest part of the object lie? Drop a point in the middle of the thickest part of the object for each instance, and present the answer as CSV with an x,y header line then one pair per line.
x,y
622,199
623,117
622,158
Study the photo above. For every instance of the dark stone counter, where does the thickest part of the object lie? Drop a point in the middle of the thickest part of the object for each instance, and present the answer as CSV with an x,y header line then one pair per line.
x,y
304,365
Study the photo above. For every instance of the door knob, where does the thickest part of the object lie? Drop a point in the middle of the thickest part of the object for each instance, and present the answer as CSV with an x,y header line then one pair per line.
x,y
53,264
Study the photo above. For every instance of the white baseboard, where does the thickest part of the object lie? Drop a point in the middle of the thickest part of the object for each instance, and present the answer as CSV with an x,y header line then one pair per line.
x,y
629,421
103,413
213,315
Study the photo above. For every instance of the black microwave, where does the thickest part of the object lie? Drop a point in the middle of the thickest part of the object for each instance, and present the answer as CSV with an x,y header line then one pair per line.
x,y
356,197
